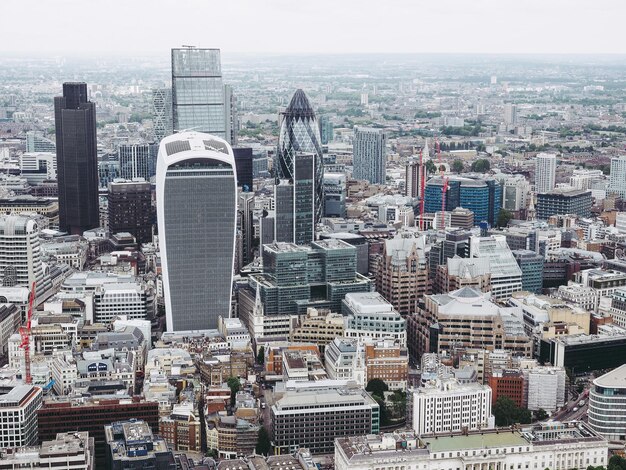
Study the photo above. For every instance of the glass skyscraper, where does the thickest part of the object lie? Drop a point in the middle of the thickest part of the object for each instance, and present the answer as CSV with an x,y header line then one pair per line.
x,y
77,159
136,161
197,213
198,91
162,113
299,132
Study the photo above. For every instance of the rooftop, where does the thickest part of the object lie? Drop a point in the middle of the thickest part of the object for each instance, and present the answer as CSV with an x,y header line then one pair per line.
x,y
614,379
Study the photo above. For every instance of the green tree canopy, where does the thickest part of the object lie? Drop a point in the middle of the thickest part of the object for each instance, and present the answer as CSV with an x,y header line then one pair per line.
x,y
504,217
507,412
481,165
430,167
235,385
260,355
377,387
458,166
263,443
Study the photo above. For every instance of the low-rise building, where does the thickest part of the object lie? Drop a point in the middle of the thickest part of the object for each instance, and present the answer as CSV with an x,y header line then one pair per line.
x,y
131,444
369,315
319,327
68,451
19,405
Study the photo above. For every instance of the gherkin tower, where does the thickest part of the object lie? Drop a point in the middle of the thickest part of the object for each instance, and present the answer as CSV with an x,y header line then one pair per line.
x,y
299,133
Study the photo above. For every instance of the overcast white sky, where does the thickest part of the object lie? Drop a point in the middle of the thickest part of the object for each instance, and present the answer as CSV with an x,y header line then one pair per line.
x,y
313,26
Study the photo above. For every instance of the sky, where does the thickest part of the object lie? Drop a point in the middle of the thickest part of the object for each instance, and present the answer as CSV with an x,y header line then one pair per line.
x,y
129,27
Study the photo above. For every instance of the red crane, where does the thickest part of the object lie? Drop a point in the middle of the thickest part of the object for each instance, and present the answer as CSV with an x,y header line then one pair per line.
x,y
444,186
422,185
25,334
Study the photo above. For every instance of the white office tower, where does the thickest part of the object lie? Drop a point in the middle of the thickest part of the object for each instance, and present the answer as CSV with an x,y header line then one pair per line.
x,y
545,172
617,183
197,214
506,275
18,427
607,413
369,159
445,405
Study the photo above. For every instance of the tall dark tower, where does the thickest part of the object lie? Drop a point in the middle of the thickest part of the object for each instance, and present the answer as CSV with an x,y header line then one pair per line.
x,y
77,159
300,133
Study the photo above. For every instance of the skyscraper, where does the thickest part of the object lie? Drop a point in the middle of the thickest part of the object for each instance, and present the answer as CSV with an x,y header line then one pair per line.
x,y
299,132
370,157
231,118
197,212
198,91
77,159
510,114
136,161
617,183
243,162
295,203
162,113
545,172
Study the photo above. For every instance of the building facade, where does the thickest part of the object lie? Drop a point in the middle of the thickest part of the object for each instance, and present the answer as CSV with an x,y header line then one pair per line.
x,y
370,155
545,172
197,214
19,415
564,201
162,120
77,159
130,208
137,161
607,412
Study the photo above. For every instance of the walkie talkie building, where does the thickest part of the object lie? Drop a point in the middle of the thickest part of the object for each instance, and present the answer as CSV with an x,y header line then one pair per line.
x,y
197,211
300,133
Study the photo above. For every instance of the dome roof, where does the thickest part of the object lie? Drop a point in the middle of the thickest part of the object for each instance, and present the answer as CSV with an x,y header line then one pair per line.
x,y
299,106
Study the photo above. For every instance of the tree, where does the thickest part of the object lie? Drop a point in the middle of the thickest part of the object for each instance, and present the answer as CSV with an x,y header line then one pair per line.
x,y
481,165
617,462
260,355
377,387
540,415
504,217
263,443
430,167
458,166
384,414
234,385
507,412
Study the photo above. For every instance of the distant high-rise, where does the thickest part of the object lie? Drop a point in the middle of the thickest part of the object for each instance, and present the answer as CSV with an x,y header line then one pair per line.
x,y
243,162
130,208
136,161
299,135
295,203
197,212
162,123
35,142
510,114
370,155
77,159
326,130
198,91
231,118
617,183
545,172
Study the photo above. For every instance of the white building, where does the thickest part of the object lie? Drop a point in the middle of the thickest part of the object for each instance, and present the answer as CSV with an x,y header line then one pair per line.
x,y
69,451
617,182
545,388
369,315
582,296
112,300
344,360
545,172
506,275
584,179
444,405
534,448
38,166
234,332
19,405
607,413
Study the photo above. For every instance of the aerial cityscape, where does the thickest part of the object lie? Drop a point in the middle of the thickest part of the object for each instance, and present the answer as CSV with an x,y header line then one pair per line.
x,y
227,253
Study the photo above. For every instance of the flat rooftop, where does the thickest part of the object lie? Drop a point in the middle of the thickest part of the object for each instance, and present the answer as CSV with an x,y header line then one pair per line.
x,y
474,441
614,379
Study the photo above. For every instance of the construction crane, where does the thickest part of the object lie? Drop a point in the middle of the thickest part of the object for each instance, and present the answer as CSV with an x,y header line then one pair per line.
x,y
444,186
421,193
25,334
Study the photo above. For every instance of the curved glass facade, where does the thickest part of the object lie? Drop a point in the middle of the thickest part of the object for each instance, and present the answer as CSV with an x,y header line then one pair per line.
x,y
299,132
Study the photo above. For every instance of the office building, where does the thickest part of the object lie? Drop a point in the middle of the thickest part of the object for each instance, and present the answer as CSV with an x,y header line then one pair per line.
x,y
326,130
545,388
130,208
181,429
198,92
68,451
482,196
335,190
314,414
231,436
541,445
131,299
463,272
388,361
318,327
131,444
295,278
370,317
531,264
461,218
369,159
243,164
607,413
507,383
545,173
295,202
515,191
38,167
27,204
35,142
92,414
162,120
413,178
401,272
20,403
445,405
510,114
617,182
584,352
10,321
299,137
564,201
77,162
136,161
506,275
197,214
466,318
231,117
